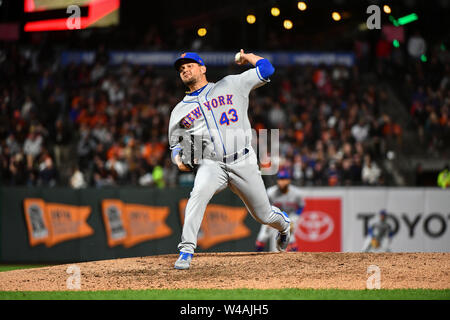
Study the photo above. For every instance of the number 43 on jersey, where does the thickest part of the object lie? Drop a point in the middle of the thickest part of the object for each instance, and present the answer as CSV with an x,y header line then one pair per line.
x,y
227,117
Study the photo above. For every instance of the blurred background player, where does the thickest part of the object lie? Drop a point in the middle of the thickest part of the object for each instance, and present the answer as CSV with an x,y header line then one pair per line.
x,y
379,236
290,200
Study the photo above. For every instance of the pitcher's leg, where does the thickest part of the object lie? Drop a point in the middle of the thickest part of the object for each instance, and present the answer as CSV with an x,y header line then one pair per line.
x,y
247,183
210,179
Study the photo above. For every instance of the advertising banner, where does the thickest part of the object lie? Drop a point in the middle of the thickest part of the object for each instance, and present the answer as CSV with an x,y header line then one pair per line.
x,y
419,218
52,223
318,228
65,225
130,224
214,59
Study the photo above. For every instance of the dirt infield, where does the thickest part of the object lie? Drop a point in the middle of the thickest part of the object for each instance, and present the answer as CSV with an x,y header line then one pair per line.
x,y
244,270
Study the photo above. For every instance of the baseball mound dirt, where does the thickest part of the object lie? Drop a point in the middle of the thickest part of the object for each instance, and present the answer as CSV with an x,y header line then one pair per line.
x,y
244,270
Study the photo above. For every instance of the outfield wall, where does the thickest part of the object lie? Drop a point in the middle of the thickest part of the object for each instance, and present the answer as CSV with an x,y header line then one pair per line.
x,y
65,225
40,225
419,217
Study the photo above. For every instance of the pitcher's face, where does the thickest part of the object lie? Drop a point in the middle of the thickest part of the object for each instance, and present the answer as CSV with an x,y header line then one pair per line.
x,y
191,73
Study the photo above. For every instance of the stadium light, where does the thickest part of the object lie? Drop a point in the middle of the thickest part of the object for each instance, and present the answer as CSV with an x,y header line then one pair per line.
x,y
396,43
202,32
287,24
387,9
302,6
336,16
251,19
275,11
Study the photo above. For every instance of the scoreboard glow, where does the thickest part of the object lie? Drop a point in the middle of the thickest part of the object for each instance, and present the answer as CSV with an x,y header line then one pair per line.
x,y
47,15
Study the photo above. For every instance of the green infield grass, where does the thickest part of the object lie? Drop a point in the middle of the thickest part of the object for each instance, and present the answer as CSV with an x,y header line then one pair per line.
x,y
237,294
9,267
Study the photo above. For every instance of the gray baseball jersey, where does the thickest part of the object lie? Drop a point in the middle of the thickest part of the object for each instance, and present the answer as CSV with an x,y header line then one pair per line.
x,y
218,116
290,202
381,232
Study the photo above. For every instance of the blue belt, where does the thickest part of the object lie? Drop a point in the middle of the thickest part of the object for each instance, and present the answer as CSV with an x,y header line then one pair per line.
x,y
233,157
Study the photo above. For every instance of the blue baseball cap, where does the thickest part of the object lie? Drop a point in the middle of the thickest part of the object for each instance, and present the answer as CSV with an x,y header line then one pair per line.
x,y
383,212
284,174
186,58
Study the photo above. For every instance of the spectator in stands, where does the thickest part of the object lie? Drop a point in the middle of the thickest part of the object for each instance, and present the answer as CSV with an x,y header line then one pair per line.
x,y
28,109
443,179
319,176
77,180
18,169
360,131
346,173
370,172
277,116
101,176
32,147
332,175
85,148
118,168
47,172
12,144
61,139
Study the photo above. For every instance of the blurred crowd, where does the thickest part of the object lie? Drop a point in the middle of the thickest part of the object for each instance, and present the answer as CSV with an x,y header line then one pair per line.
x,y
84,125
428,87
331,129
96,125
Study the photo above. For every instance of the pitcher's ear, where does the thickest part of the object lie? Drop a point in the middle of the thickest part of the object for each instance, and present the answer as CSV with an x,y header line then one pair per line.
x,y
203,69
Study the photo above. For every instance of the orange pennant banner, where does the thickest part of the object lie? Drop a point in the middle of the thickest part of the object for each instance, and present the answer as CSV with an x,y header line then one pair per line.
x,y
130,224
53,223
67,222
220,224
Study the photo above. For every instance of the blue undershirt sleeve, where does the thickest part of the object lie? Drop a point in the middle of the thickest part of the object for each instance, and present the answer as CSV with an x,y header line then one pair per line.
x,y
265,68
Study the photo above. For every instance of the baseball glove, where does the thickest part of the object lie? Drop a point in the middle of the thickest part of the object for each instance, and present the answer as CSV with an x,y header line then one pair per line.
x,y
191,151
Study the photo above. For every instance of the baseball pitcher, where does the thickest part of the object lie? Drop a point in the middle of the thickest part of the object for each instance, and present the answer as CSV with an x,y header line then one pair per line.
x,y
379,235
210,134
288,198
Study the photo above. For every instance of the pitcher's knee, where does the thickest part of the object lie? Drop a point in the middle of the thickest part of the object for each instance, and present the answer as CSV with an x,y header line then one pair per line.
x,y
275,217
281,214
